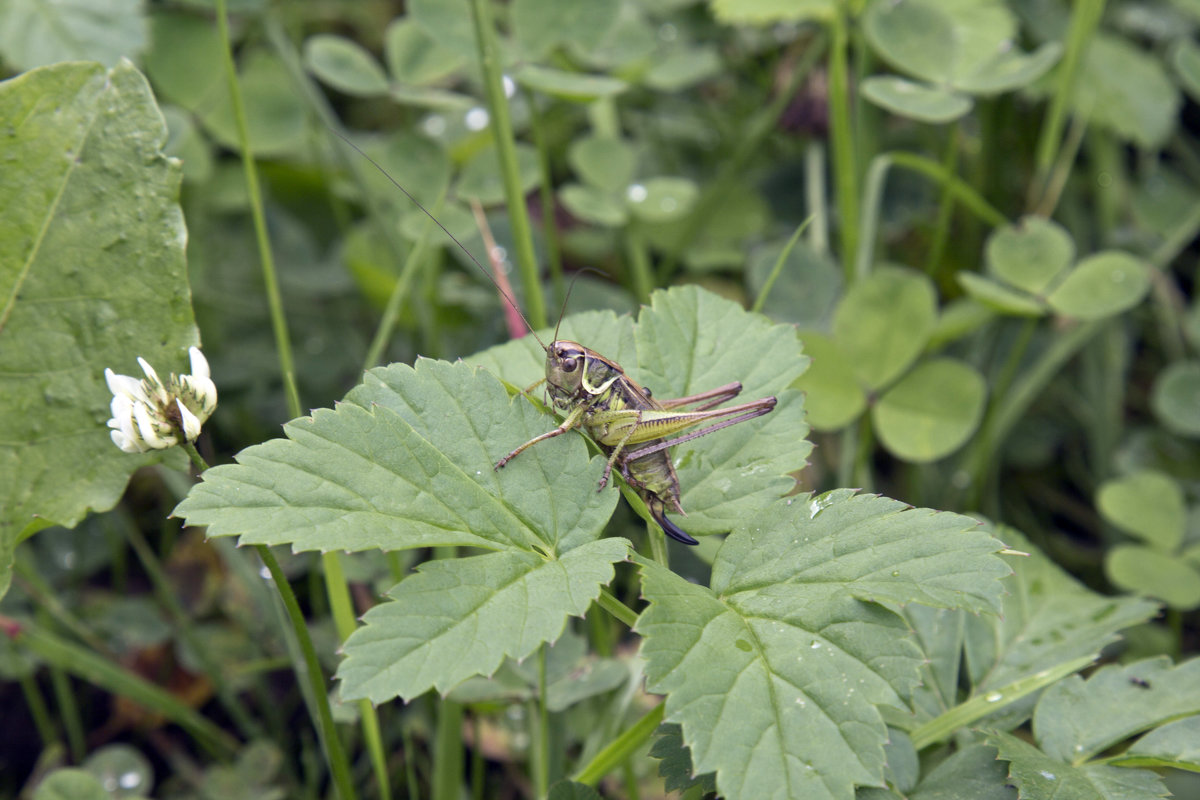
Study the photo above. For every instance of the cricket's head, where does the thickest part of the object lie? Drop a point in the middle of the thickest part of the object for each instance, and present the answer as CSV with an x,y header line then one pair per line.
x,y
566,364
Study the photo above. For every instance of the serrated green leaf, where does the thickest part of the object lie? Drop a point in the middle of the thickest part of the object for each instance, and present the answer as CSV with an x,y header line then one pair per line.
x,y
1154,573
1039,777
774,673
1048,618
1030,254
931,411
1101,285
35,33
675,762
999,297
92,275
883,323
406,461
455,618
1176,744
972,773
919,101
1176,398
903,766
835,398
345,65
1077,719
690,340
1147,504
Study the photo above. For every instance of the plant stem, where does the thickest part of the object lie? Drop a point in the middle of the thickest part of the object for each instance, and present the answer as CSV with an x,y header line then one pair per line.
x,y
616,752
612,605
267,261
391,312
1083,24
779,262
639,265
506,150
335,754
448,751
873,197
841,135
540,751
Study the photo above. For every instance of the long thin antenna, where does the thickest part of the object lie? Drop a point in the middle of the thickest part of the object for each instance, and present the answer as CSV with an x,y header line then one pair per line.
x,y
445,230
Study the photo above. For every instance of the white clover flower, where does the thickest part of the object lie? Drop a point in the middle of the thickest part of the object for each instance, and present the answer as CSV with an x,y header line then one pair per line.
x,y
150,415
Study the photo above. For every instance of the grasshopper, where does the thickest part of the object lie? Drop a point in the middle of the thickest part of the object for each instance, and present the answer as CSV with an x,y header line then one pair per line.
x,y
619,414
630,426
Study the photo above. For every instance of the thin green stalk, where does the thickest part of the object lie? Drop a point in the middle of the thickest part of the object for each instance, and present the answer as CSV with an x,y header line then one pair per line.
x,y
1083,24
266,259
941,230
410,761
1008,408
68,711
539,755
873,197
477,778
612,605
506,150
335,754
815,197
944,725
183,625
344,618
448,751
391,312
842,143
99,671
639,265
618,751
40,712
546,195
1063,166
779,262
749,143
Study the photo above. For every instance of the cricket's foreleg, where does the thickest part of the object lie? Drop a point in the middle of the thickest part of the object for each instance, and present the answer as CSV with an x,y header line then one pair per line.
x,y
615,454
570,422
714,397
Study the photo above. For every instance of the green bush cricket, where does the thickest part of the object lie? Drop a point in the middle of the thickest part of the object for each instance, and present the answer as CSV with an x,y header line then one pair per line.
x,y
620,415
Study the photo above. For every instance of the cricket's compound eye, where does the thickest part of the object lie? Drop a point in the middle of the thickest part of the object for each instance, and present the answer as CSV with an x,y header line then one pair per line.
x,y
566,359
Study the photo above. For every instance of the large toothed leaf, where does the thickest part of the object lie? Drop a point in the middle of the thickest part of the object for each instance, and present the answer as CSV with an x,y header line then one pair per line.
x,y
92,275
1049,618
1076,719
776,671
406,461
1037,776
688,341
461,617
